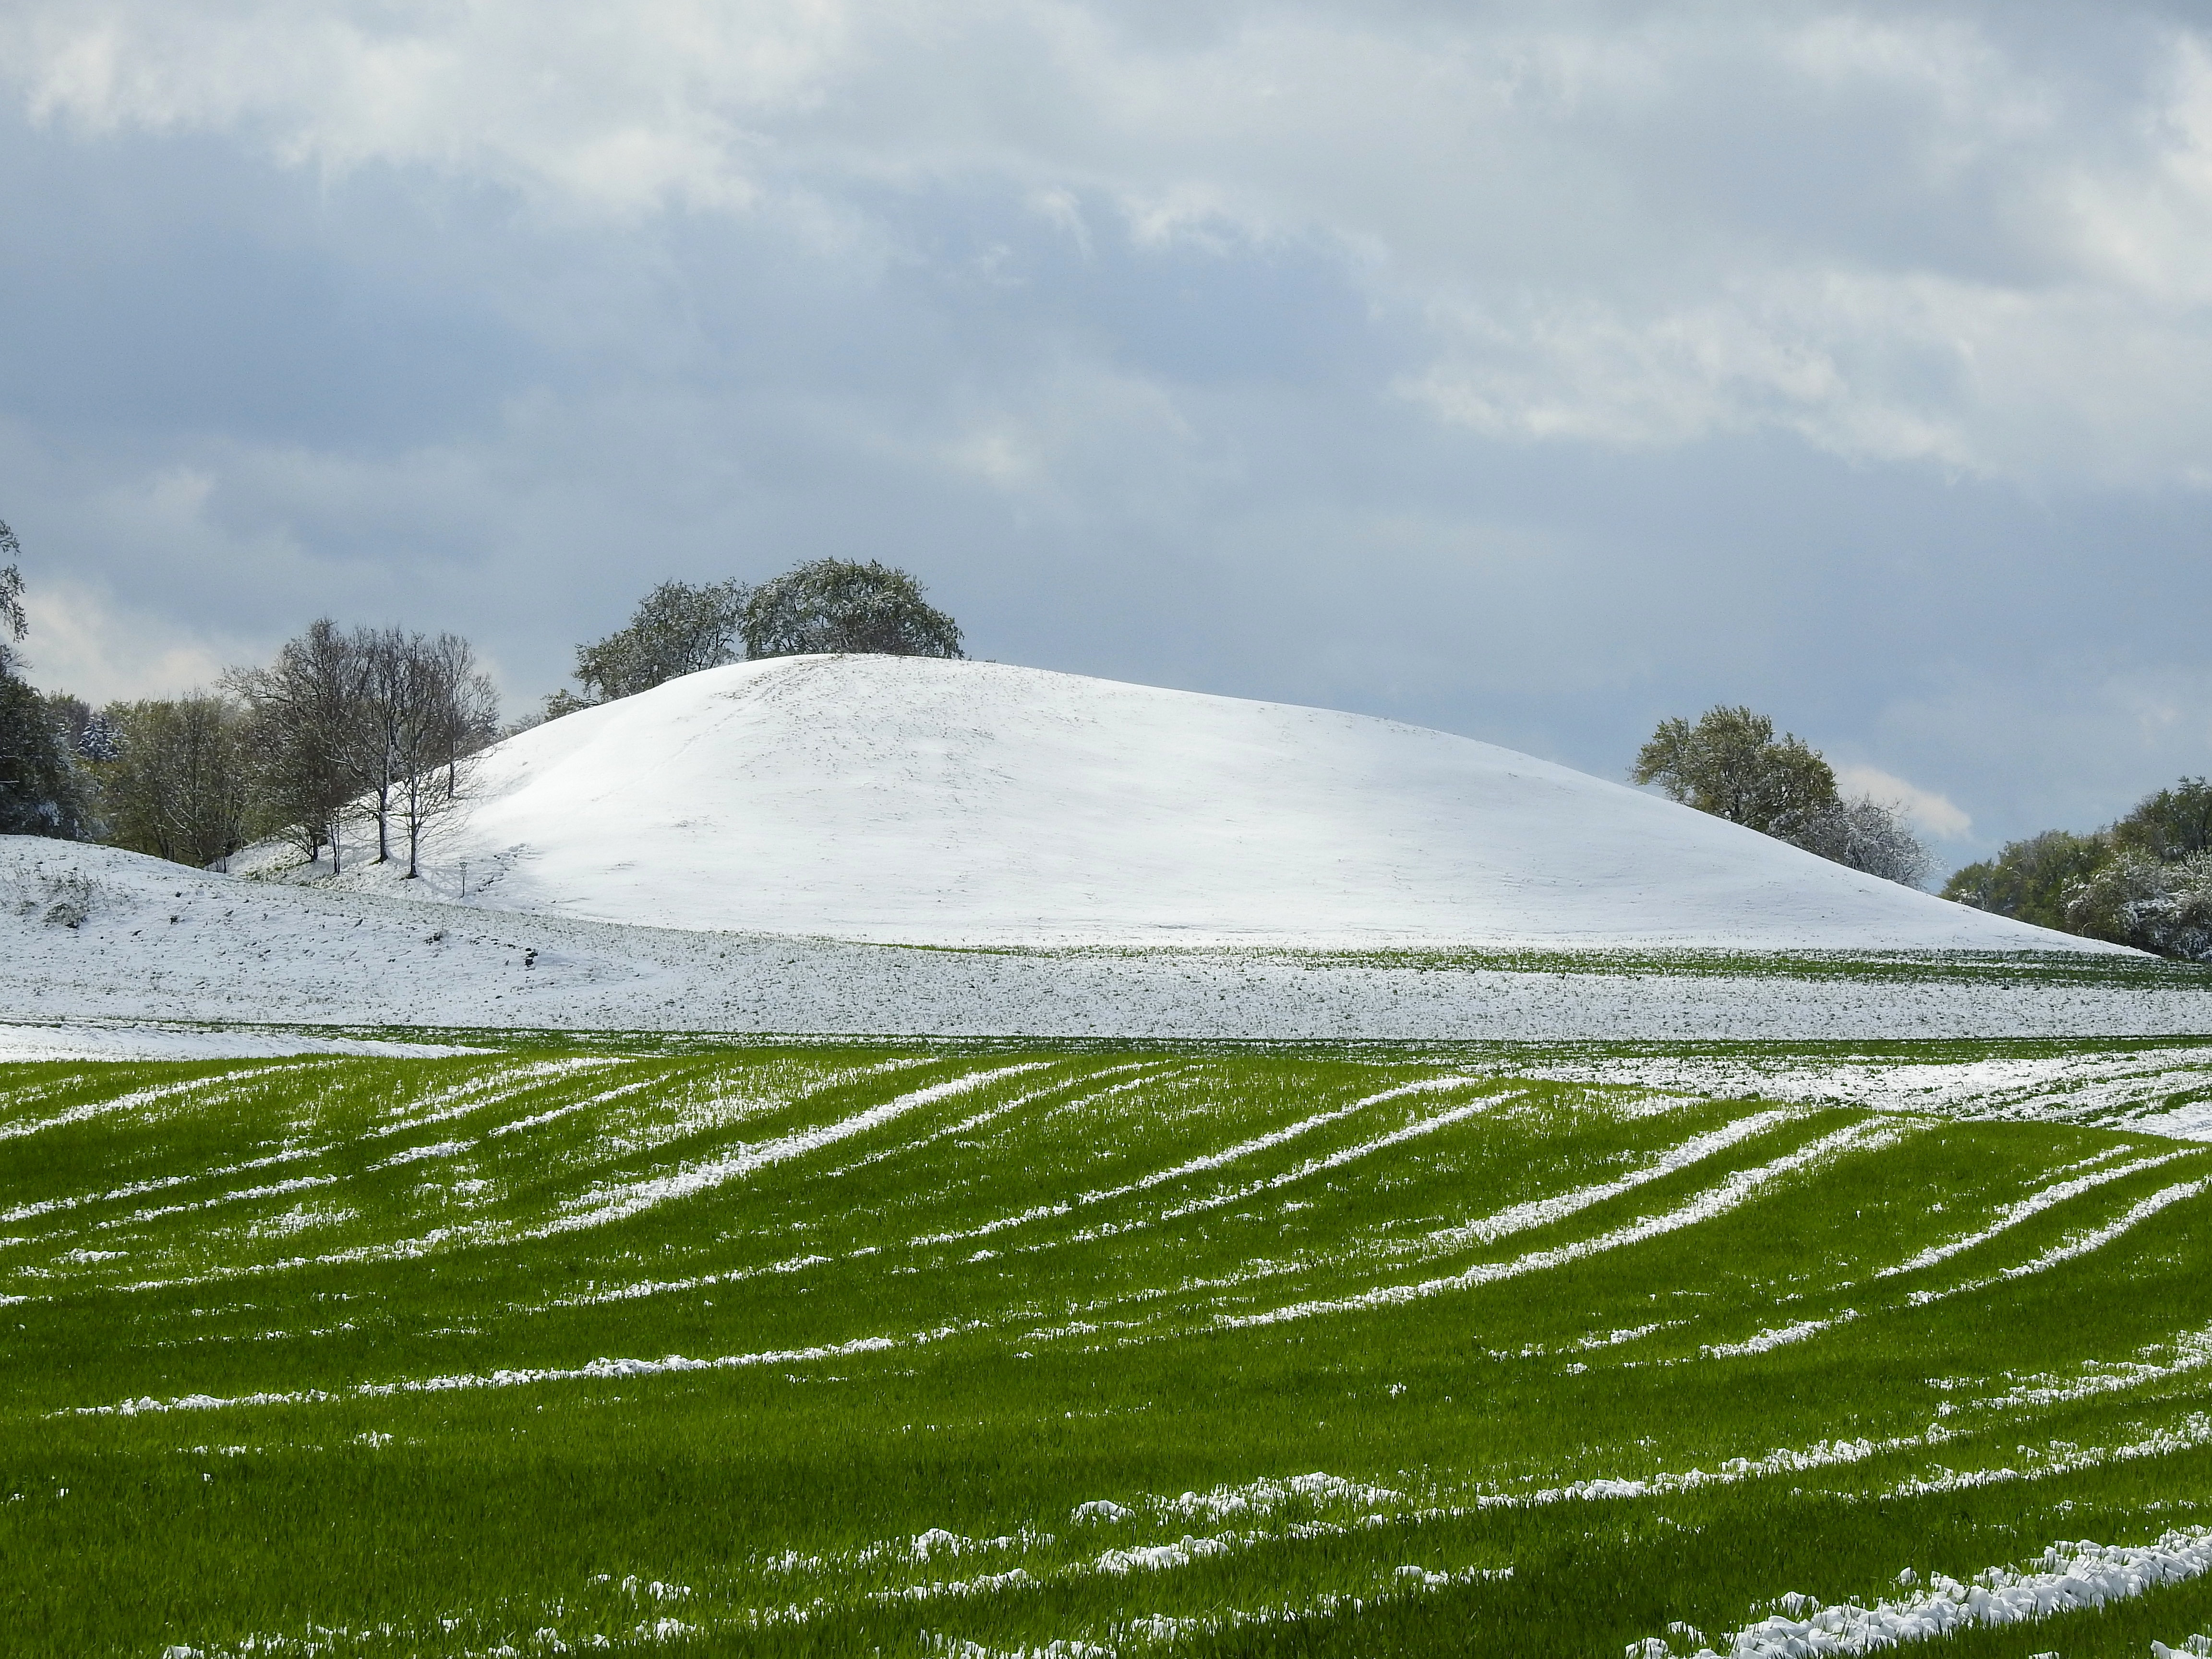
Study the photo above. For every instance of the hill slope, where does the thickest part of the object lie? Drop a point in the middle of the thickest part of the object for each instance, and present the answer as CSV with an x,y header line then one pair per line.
x,y
912,799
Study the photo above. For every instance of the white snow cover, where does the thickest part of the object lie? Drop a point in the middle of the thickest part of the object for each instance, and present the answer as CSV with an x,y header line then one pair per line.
x,y
912,799
93,938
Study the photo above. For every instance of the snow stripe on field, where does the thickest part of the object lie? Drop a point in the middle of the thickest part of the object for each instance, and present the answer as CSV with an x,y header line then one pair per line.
x,y
1242,1149
2033,1204
2080,1245
1541,1211
619,1203
2075,1576
1735,1189
131,1102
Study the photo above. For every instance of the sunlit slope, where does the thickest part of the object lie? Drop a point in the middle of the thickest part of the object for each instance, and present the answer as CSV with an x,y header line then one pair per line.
x,y
916,799
843,1351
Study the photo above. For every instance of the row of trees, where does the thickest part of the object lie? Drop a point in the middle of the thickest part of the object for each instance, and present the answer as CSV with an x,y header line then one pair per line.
x,y
374,725
377,726
1731,764
2144,881
823,606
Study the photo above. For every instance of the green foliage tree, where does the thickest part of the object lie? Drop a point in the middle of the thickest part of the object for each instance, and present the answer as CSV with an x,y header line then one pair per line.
x,y
2033,880
833,604
1732,765
180,785
2170,824
676,629
42,787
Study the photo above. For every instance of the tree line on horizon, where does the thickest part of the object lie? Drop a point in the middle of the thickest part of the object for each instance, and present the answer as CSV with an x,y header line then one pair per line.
x,y
379,726
2145,880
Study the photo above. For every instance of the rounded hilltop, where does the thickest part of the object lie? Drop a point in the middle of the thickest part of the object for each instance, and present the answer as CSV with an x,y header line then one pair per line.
x,y
936,801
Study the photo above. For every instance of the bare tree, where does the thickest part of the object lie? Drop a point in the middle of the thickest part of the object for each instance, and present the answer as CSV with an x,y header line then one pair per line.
x,y
14,624
442,709
307,712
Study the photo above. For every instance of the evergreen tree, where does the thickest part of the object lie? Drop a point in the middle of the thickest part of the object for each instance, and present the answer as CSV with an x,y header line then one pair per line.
x,y
42,789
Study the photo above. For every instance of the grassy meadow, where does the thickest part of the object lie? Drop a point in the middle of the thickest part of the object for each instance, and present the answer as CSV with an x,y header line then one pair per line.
x,y
857,1350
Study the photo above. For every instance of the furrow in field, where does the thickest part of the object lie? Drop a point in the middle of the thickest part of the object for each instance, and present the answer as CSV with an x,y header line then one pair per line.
x,y
2033,1204
138,1099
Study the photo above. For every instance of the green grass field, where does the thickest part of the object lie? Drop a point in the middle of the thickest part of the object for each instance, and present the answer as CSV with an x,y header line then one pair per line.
x,y
847,1350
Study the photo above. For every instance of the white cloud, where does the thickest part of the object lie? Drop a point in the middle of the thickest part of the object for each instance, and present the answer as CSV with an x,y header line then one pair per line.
x,y
1936,814
1899,238
81,642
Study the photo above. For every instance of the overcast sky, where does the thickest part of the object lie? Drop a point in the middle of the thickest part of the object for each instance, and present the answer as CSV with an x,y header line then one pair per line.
x,y
1534,371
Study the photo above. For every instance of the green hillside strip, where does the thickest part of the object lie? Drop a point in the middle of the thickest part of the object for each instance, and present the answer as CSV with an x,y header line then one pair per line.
x,y
833,1349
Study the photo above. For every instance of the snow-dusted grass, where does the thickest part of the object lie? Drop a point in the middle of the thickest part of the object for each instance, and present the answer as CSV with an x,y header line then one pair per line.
x,y
838,1349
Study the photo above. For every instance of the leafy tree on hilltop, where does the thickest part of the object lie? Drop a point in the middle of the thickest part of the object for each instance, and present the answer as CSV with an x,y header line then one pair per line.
x,y
823,606
676,629
833,604
1732,765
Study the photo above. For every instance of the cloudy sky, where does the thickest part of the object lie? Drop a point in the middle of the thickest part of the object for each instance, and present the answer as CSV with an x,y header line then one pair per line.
x,y
1531,371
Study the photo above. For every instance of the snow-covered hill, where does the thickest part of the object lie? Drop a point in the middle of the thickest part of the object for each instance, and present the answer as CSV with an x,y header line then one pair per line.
x,y
918,800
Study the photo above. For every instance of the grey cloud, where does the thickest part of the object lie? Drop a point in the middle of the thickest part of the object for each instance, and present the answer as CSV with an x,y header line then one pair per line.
x,y
1532,379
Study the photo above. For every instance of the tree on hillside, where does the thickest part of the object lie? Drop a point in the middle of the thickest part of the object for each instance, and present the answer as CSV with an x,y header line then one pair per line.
x,y
1864,834
375,722
825,604
180,784
833,604
676,629
1732,765
424,706
445,712
306,754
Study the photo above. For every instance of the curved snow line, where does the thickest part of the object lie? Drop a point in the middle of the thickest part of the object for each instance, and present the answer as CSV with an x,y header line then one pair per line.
x,y
795,1264
1216,1160
2075,1576
2033,1204
2080,1245
136,1098
1735,1189
1541,1211
621,1203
